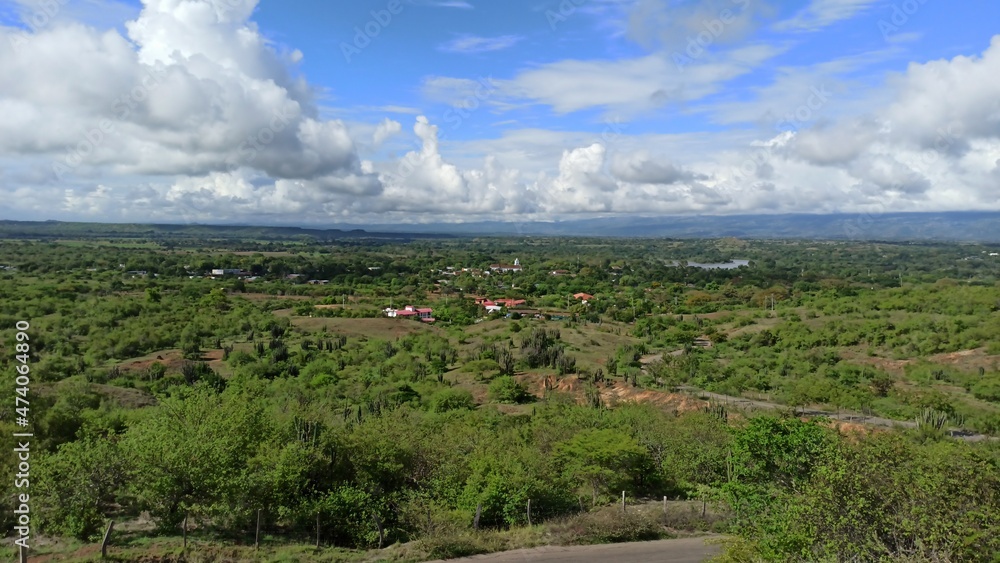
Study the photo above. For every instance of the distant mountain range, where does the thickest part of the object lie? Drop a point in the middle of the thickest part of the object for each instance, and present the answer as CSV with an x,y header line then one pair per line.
x,y
966,226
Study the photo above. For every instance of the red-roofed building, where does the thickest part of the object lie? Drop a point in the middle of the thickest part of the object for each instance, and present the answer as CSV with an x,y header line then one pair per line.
x,y
423,314
583,297
504,268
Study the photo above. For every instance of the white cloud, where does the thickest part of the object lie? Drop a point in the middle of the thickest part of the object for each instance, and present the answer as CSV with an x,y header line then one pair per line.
x,y
641,168
194,90
476,44
204,119
672,26
460,4
630,86
822,13
388,128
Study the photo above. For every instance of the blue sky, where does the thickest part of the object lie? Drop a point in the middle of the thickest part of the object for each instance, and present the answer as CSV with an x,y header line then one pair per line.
x,y
503,39
454,110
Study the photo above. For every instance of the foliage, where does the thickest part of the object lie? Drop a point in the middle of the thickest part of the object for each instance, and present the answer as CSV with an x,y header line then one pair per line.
x,y
506,389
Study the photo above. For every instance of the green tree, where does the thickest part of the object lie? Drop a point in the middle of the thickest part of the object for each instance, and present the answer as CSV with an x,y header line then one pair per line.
x,y
603,460
190,454
78,486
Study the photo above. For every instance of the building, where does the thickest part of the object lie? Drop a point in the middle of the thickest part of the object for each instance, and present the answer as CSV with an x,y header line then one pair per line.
x,y
421,314
504,268
584,297
228,272
498,304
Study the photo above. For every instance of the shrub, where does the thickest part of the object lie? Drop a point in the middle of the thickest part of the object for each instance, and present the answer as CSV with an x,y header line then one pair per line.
x,y
506,389
987,389
452,399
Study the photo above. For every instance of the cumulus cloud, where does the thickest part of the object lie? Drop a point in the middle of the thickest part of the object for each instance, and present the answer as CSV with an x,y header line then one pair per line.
x,y
835,144
945,103
386,129
193,115
641,168
194,89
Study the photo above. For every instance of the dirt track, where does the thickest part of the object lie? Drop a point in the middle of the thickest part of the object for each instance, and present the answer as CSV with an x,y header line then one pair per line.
x,y
684,550
844,416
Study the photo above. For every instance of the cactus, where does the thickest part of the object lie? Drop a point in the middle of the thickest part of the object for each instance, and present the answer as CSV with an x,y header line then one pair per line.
x,y
718,410
930,418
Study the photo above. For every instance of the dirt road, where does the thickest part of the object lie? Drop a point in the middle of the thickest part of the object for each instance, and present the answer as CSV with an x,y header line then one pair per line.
x,y
684,550
843,415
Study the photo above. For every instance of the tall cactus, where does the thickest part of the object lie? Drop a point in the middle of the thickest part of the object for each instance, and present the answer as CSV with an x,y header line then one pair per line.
x,y
930,418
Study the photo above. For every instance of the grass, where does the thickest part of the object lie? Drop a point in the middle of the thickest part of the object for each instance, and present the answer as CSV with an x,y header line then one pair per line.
x,y
607,524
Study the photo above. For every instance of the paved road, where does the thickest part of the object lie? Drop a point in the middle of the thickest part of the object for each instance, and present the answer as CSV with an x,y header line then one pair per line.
x,y
684,550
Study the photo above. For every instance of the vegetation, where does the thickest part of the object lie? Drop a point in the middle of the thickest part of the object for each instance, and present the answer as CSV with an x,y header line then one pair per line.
x,y
165,397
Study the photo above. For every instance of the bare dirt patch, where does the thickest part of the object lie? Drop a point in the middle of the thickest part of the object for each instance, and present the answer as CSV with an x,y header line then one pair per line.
x,y
612,393
386,328
171,359
266,296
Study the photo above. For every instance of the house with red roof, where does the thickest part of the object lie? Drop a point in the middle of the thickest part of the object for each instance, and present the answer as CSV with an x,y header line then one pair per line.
x,y
422,314
492,305
584,297
504,268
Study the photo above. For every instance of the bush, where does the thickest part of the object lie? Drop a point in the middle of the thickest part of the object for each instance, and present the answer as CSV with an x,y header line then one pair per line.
x,y
506,389
987,389
452,399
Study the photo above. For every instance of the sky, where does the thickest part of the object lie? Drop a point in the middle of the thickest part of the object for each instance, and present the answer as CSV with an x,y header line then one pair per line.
x,y
326,113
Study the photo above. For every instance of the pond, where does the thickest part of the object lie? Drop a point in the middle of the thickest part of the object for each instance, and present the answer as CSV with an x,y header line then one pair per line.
x,y
717,266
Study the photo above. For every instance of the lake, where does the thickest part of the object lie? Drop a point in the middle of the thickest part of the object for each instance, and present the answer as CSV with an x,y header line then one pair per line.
x,y
718,266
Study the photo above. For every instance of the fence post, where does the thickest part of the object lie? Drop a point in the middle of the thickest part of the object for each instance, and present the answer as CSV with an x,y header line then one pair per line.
x,y
664,504
256,537
479,512
529,511
317,529
623,501
185,531
107,539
